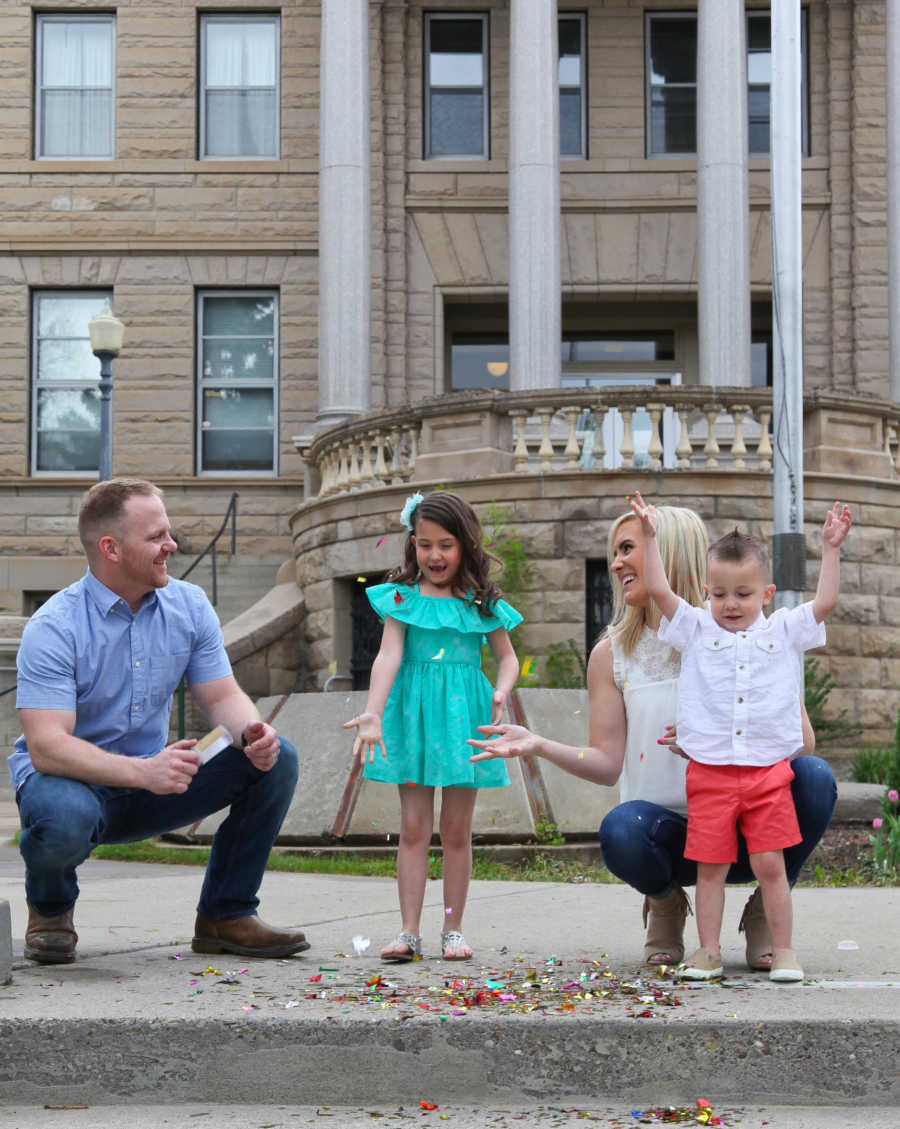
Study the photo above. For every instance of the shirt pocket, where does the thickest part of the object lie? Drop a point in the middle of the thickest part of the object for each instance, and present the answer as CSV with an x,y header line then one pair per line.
x,y
768,645
165,674
714,643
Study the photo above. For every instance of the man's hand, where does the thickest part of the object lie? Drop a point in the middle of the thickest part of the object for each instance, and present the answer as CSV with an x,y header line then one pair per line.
x,y
172,769
262,745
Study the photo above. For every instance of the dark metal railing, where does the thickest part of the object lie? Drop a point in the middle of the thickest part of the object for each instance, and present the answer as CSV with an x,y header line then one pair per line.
x,y
210,551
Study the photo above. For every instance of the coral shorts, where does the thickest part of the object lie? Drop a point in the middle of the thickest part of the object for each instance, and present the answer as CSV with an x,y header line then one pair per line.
x,y
722,797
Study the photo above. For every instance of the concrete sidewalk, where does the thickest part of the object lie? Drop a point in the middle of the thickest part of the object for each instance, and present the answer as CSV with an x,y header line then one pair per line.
x,y
556,1007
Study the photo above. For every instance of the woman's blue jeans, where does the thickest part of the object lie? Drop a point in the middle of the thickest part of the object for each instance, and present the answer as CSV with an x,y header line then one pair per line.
x,y
63,820
643,843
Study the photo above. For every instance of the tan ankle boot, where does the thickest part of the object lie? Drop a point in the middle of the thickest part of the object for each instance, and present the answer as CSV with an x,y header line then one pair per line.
x,y
50,940
664,919
759,940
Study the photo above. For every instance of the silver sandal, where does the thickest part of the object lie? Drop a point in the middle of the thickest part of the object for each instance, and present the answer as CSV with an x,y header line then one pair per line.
x,y
454,940
414,944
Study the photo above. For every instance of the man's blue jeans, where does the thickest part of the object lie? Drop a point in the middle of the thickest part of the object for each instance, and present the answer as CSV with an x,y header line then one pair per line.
x,y
63,820
643,843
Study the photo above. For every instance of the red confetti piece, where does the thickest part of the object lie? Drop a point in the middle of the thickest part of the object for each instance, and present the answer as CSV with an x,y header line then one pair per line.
x,y
315,979
398,599
427,1105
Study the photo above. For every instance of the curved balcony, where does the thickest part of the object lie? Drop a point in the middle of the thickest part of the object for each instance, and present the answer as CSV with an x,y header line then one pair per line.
x,y
659,428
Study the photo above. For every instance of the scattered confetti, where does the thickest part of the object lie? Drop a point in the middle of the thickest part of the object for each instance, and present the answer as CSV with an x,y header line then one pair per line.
x,y
380,542
427,1105
526,666
332,667
360,580
398,599
439,655
360,944
581,754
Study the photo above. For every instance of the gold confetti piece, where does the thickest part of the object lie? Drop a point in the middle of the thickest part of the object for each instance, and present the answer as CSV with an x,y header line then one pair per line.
x,y
581,754
439,655
360,580
332,667
526,667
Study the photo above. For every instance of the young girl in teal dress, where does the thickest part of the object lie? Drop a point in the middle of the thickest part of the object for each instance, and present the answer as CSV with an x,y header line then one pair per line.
x,y
427,697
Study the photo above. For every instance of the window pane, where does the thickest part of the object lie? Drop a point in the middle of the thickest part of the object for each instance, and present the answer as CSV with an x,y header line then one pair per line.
x,y
569,40
242,449
68,315
241,54
76,53
637,349
239,316
68,429
240,123
238,407
758,105
570,123
457,124
456,53
76,123
239,359
673,120
469,365
673,51
67,360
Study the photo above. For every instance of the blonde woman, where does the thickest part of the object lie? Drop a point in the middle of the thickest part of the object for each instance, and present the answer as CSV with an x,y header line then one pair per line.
x,y
632,683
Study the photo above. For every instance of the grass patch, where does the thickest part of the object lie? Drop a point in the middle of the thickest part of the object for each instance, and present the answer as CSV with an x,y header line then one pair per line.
x,y
538,867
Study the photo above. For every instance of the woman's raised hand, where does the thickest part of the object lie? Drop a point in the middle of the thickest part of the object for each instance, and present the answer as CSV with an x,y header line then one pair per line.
x,y
511,741
368,735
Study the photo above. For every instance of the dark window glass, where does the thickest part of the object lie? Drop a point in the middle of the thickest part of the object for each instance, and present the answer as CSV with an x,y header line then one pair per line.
x,y
456,87
479,364
571,87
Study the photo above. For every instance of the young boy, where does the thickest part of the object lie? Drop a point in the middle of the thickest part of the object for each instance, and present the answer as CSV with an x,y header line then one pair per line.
x,y
739,721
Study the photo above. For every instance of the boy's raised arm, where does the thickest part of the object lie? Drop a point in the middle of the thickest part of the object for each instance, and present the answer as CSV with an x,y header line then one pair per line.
x,y
654,574
837,525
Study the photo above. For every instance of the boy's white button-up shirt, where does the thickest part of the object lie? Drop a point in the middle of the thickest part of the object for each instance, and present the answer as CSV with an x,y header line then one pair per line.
x,y
739,692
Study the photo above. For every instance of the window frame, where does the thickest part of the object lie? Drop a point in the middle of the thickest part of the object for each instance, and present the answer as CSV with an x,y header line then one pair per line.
x,y
484,18
201,296
41,19
749,14
228,17
581,19
105,294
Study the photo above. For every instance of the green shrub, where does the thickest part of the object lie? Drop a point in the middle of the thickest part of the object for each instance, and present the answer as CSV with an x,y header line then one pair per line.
x,y
879,765
828,730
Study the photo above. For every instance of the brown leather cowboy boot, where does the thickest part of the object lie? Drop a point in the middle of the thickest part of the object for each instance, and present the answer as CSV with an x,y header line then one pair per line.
x,y
50,940
246,936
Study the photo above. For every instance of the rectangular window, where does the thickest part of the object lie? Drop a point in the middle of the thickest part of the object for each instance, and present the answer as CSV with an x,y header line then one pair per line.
x,y
65,397
456,85
237,356
239,96
671,69
74,81
572,87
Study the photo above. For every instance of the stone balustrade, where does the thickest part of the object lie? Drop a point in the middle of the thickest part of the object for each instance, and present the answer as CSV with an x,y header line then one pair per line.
x,y
659,428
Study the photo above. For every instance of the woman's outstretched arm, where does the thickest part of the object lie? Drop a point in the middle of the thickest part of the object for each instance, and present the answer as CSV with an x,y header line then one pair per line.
x,y
599,761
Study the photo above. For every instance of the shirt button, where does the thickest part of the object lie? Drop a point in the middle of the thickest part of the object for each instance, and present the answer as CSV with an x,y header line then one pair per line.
x,y
741,667
137,663
740,700
738,732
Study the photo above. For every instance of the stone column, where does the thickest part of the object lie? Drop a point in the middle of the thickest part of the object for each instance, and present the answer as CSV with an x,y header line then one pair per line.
x,y
345,228
535,316
892,45
723,222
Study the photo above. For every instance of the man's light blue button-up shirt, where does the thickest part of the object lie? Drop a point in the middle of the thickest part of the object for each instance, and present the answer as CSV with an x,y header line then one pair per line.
x,y
84,650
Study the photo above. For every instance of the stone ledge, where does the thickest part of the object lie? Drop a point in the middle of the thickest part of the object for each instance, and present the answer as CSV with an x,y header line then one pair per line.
x,y
266,621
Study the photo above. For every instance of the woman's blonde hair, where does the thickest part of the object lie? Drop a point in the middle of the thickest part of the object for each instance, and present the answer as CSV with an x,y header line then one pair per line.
x,y
683,545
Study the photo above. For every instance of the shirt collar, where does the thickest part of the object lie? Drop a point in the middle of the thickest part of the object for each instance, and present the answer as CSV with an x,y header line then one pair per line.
x,y
107,600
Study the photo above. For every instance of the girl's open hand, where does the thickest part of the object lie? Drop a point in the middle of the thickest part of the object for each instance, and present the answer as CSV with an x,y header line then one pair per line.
x,y
837,525
498,705
368,735
644,512
512,741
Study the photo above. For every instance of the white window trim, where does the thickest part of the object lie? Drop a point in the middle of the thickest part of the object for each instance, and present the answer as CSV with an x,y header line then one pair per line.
x,y
750,13
41,19
206,18
581,18
485,153
201,297
36,296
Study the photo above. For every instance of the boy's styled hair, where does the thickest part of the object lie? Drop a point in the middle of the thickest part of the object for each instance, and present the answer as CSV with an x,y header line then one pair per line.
x,y
739,547
683,546
103,506
450,512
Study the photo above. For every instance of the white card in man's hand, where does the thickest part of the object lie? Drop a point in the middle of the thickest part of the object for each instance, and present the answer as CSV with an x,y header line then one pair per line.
x,y
214,742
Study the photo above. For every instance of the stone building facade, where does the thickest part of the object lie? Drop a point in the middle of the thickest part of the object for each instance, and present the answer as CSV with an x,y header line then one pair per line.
x,y
172,219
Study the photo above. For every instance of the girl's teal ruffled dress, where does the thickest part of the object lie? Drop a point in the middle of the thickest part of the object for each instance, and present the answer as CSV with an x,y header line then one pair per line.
x,y
440,696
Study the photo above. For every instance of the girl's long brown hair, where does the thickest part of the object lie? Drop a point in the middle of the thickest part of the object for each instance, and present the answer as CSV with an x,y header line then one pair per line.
x,y
472,582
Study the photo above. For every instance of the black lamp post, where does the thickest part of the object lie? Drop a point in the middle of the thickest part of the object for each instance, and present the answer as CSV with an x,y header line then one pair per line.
x,y
107,334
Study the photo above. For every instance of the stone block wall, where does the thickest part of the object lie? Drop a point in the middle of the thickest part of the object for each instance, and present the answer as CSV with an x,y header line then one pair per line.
x,y
563,519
